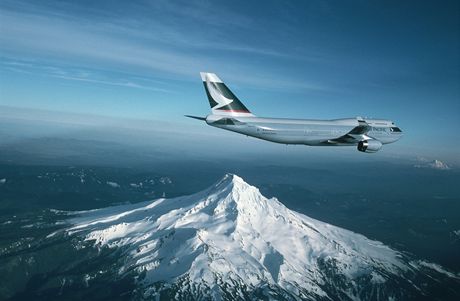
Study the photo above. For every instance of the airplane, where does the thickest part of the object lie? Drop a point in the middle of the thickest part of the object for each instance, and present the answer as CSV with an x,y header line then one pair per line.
x,y
229,113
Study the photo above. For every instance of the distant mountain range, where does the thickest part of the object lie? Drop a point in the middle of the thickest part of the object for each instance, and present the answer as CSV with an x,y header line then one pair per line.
x,y
229,242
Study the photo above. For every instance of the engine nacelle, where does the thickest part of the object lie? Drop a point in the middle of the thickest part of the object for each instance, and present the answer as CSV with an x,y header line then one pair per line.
x,y
369,146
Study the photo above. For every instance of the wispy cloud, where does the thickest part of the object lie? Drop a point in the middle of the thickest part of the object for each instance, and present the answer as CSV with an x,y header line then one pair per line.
x,y
160,50
88,76
126,84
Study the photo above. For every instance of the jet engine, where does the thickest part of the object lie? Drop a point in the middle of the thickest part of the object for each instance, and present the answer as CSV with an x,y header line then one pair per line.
x,y
369,146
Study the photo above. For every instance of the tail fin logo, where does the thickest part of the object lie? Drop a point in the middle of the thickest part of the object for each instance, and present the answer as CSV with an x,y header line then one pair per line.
x,y
221,99
217,96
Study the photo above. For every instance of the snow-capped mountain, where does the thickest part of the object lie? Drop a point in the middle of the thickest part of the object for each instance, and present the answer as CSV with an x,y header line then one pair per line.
x,y
434,164
437,164
231,243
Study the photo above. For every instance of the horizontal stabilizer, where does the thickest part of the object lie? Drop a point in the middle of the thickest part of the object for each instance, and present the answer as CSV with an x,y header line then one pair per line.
x,y
196,117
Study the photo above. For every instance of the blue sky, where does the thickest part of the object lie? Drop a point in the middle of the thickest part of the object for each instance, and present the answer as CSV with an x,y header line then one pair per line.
x,y
304,59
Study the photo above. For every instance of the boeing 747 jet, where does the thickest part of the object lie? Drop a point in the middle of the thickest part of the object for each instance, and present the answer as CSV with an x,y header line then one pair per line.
x,y
229,113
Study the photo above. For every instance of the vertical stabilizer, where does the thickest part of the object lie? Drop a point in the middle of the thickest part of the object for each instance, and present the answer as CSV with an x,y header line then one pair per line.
x,y
221,99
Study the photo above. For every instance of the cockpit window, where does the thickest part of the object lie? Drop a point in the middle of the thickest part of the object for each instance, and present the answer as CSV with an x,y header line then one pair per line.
x,y
395,129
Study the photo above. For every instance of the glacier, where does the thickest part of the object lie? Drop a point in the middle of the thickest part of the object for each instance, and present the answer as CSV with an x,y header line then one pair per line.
x,y
229,242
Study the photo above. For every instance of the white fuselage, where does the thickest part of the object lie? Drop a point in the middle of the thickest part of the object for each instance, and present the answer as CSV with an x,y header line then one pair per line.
x,y
304,131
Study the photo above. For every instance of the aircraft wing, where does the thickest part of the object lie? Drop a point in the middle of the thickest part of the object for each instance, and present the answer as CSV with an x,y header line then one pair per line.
x,y
354,136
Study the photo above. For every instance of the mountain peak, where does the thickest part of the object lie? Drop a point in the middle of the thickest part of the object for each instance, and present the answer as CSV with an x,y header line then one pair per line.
x,y
234,181
234,188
